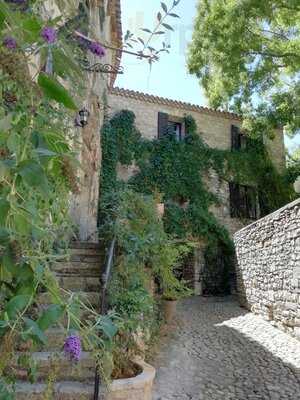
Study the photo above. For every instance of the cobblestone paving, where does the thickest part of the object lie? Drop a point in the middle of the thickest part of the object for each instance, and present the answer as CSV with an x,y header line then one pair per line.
x,y
218,351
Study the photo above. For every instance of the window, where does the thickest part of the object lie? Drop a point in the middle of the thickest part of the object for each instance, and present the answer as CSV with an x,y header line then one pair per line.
x,y
175,128
238,139
169,125
243,201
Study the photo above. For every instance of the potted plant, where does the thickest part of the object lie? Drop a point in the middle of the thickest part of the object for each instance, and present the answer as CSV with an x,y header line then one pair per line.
x,y
170,299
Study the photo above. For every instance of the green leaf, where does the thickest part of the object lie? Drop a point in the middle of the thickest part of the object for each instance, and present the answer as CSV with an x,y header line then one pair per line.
x,y
32,173
8,266
50,316
174,15
108,327
146,30
16,305
34,331
22,224
4,209
56,142
55,91
167,26
14,142
32,28
5,167
2,19
64,65
164,7
4,235
45,152
5,123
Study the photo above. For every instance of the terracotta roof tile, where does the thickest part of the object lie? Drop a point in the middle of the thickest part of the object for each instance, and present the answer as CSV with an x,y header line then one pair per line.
x,y
172,103
118,37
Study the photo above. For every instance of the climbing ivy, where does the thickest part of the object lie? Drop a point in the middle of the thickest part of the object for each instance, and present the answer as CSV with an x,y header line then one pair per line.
x,y
176,169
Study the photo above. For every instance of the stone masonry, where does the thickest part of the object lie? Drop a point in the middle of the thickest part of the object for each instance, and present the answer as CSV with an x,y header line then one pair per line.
x,y
215,127
268,267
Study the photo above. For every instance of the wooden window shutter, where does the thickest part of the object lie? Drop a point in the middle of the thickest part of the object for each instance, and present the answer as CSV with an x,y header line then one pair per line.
x,y
252,203
243,201
234,199
235,138
163,119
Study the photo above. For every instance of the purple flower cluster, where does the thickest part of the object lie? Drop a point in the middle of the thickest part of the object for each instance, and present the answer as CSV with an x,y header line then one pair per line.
x,y
49,34
10,43
72,347
97,49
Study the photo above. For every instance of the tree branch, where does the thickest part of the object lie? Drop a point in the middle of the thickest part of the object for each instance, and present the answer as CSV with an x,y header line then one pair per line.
x,y
273,55
113,48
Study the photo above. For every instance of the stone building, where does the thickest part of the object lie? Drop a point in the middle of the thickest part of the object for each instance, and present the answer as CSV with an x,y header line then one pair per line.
x,y
103,26
220,130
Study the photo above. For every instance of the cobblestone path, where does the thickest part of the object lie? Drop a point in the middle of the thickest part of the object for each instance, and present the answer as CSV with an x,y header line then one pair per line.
x,y
218,351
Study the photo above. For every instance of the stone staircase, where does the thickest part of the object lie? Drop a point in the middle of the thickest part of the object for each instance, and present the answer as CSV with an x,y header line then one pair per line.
x,y
57,377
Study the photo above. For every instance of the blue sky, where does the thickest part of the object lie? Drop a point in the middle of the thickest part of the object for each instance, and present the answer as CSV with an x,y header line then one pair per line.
x,y
169,77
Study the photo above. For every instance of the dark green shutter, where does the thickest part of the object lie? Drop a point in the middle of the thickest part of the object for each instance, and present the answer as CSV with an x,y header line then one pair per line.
x,y
235,138
163,119
234,199
252,202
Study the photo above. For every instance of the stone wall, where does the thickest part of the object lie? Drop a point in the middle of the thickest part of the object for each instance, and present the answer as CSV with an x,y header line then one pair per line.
x,y
215,128
268,266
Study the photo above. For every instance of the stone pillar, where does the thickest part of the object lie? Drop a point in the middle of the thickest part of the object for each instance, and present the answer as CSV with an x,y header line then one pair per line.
x,y
84,208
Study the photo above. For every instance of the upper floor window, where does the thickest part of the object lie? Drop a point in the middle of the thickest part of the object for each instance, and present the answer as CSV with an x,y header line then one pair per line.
x,y
238,139
243,201
169,125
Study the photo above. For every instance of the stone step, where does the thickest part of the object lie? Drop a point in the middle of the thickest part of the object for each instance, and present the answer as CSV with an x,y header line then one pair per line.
x,y
61,391
92,269
79,283
93,258
86,249
58,365
89,298
85,245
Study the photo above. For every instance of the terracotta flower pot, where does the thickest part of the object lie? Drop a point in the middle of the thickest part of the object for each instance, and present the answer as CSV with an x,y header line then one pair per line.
x,y
169,310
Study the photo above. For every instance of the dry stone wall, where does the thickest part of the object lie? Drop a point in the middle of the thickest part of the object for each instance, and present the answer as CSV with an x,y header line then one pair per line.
x,y
268,267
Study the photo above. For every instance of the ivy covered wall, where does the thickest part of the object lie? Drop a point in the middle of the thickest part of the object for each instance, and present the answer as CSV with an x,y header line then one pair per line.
x,y
177,169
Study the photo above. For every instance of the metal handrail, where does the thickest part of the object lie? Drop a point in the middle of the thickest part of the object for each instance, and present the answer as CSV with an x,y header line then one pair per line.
x,y
104,283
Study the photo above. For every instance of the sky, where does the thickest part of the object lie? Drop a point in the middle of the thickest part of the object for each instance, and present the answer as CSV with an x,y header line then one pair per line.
x,y
168,77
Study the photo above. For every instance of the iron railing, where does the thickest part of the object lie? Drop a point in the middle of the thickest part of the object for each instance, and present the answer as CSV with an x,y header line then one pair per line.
x,y
103,305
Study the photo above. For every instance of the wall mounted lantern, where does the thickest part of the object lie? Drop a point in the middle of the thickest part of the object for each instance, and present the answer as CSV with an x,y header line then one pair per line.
x,y
82,118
